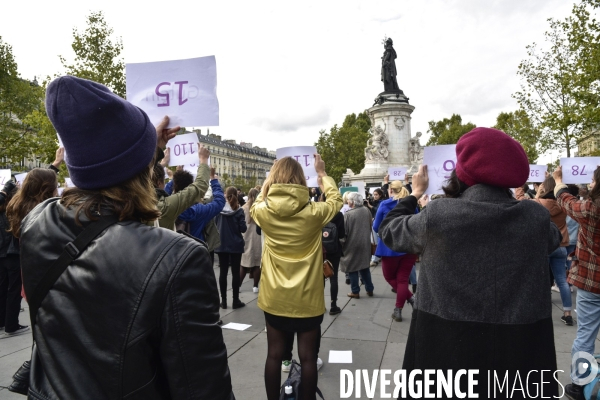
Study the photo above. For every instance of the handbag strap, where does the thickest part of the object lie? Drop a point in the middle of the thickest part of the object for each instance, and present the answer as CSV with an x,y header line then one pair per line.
x,y
70,252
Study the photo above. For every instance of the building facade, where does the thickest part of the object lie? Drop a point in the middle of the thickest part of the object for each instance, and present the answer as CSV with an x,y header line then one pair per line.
x,y
589,145
237,160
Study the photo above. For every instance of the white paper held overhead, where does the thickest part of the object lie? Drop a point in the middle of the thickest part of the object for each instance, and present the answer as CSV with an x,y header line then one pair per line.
x,y
185,90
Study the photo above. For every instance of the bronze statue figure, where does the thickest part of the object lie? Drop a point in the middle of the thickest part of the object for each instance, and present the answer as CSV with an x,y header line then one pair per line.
x,y
388,68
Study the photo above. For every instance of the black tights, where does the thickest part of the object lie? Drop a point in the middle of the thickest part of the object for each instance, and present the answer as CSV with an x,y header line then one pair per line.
x,y
225,260
333,281
253,272
278,343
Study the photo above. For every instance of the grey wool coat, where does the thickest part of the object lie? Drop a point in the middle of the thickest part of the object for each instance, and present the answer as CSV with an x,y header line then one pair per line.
x,y
356,246
484,290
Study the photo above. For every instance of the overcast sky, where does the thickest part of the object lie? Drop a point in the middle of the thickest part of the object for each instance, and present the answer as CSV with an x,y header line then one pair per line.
x,y
289,69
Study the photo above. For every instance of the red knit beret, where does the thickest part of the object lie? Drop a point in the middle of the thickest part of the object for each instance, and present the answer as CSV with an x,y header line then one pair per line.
x,y
490,156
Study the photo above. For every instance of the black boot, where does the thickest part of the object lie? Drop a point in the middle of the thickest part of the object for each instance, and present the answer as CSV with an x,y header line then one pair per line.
x,y
237,303
21,380
334,310
414,288
224,304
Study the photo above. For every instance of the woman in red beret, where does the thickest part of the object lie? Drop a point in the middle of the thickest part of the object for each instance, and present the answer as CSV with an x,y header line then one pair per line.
x,y
483,301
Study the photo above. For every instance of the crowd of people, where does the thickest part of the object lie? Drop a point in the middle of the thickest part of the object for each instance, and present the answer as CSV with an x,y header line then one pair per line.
x,y
118,271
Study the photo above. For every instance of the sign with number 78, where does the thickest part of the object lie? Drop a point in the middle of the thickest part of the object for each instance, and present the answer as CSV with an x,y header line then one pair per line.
x,y
579,169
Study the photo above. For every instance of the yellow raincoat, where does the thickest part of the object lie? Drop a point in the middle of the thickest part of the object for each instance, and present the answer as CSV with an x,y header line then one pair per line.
x,y
291,282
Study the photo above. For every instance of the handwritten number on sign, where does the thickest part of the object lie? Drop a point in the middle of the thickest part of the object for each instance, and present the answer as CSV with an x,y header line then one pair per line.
x,y
449,166
575,170
166,95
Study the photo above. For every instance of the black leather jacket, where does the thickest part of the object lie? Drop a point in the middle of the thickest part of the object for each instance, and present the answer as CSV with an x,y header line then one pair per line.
x,y
133,317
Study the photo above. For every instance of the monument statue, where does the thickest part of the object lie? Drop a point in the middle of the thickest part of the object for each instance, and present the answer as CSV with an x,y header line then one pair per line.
x,y
416,150
377,145
388,68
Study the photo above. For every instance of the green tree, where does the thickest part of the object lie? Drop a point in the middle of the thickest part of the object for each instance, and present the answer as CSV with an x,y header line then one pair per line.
x,y
583,34
547,95
344,147
518,125
20,104
98,55
225,181
448,130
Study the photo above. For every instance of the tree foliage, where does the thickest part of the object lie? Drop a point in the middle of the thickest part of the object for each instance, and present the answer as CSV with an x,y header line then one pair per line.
x,y
448,130
518,125
98,55
21,102
344,147
548,86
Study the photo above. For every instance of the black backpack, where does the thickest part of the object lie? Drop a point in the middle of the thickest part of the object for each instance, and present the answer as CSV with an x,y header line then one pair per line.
x,y
293,380
330,238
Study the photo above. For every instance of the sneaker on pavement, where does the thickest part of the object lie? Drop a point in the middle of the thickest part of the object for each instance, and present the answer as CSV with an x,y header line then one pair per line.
x,y
567,319
319,363
286,365
255,289
555,288
335,310
574,392
373,264
21,329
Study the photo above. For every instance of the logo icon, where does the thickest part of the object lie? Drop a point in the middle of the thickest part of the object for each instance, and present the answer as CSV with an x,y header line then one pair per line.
x,y
585,366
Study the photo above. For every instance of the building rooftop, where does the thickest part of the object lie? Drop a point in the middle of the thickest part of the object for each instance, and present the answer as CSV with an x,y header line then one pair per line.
x,y
216,140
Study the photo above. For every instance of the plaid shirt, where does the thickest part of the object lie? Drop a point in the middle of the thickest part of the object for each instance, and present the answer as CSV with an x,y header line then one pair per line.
x,y
585,270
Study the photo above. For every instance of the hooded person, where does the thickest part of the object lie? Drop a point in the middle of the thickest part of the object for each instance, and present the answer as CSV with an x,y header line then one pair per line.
x,y
134,313
484,302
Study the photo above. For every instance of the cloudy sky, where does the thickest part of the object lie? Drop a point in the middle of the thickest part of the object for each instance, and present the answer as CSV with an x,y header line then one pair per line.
x,y
289,69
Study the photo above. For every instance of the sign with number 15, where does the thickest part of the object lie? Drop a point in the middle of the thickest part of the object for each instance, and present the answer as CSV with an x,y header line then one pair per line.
x,y
579,169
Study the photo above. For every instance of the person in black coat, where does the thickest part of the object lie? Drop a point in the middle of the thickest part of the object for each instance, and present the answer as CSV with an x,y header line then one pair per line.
x,y
231,224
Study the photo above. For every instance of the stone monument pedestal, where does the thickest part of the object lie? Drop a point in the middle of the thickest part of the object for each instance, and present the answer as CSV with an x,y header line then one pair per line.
x,y
391,144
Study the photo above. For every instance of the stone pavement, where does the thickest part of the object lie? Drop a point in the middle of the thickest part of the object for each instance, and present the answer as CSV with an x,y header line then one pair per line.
x,y
364,326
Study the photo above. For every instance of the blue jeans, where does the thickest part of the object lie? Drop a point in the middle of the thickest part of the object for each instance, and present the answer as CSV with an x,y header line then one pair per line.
x,y
588,323
412,279
365,274
558,260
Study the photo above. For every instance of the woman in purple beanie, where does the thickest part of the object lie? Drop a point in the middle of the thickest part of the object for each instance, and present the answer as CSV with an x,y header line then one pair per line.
x,y
132,311
483,301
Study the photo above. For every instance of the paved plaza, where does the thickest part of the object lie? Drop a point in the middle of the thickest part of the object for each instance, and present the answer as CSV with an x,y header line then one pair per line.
x,y
364,326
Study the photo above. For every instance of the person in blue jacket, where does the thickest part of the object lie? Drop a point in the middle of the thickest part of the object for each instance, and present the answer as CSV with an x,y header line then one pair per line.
x,y
396,266
199,214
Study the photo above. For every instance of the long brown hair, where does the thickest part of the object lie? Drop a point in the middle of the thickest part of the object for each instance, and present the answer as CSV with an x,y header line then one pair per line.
x,y
39,185
286,171
134,199
252,195
594,194
231,196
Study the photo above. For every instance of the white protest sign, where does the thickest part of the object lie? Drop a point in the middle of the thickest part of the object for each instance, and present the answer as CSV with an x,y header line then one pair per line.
x,y
4,176
440,161
20,177
192,169
60,144
69,183
579,169
305,156
185,90
184,150
361,188
537,173
397,173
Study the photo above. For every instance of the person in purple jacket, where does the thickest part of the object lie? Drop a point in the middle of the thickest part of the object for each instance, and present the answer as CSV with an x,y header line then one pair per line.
x,y
396,266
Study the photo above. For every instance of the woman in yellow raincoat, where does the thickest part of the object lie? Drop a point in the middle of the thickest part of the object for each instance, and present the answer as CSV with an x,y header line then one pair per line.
x,y
292,285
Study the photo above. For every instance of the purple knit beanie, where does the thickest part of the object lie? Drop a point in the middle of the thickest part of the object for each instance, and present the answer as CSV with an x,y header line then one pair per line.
x,y
108,140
